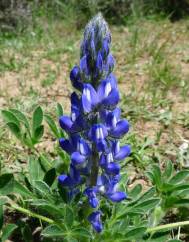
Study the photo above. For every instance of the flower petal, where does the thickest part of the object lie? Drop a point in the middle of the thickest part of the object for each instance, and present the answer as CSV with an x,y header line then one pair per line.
x,y
104,89
122,128
105,48
65,123
76,78
79,124
92,198
112,99
117,196
66,145
102,145
66,180
75,73
83,147
89,98
98,132
112,168
94,219
84,67
75,106
123,153
102,161
112,79
112,118
99,62
74,174
77,158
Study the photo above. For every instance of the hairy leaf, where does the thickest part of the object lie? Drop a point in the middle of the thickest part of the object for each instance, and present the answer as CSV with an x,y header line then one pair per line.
x,y
7,231
37,118
53,231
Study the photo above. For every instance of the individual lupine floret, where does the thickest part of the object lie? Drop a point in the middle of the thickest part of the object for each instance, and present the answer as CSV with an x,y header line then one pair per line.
x,y
94,219
94,126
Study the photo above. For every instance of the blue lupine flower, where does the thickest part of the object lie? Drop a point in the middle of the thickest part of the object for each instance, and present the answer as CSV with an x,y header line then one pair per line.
x,y
94,219
91,193
95,125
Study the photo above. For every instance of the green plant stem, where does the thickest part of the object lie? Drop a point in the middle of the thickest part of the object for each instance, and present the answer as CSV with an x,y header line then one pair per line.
x,y
31,214
167,226
50,221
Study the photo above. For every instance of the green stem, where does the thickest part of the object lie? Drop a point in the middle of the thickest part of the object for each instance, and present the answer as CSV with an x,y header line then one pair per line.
x,y
50,221
167,226
31,214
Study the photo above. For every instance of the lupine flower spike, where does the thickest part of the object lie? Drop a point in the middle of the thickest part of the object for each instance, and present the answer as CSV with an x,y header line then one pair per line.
x,y
94,126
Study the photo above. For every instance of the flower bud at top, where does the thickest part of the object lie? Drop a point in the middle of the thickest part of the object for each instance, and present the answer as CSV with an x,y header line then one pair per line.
x,y
97,31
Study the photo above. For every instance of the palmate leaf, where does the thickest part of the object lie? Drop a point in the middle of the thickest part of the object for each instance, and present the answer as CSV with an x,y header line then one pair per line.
x,y
139,208
37,118
155,176
135,233
21,117
35,170
45,163
148,194
145,196
14,128
41,188
147,205
81,233
9,185
168,170
50,176
38,133
6,184
135,192
50,208
22,190
174,188
53,231
7,231
179,177
9,117
60,111
160,237
68,216
52,126
175,201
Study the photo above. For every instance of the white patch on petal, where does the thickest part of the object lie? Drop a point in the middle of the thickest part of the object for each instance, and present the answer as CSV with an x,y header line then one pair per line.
x,y
110,158
114,188
117,148
81,148
114,121
73,116
99,133
87,93
108,89
102,189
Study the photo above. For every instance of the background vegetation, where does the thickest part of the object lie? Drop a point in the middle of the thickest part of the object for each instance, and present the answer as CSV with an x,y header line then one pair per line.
x,y
39,43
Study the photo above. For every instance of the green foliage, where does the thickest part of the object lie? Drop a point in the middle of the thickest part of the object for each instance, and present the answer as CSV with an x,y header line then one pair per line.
x,y
30,131
37,194
7,231
172,187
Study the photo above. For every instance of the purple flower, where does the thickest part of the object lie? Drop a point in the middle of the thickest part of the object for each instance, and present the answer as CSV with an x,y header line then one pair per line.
x,y
91,193
94,219
94,126
75,78
72,179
